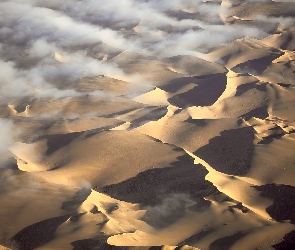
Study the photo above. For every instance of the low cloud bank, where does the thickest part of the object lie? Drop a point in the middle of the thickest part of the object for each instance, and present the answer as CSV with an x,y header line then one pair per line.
x,y
46,47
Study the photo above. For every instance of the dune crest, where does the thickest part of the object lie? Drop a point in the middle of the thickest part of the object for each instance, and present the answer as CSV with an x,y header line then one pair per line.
x,y
147,125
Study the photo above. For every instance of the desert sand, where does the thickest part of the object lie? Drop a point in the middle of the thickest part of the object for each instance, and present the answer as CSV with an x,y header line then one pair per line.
x,y
136,125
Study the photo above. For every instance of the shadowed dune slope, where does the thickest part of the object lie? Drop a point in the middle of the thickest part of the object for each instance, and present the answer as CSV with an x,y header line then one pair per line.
x,y
147,125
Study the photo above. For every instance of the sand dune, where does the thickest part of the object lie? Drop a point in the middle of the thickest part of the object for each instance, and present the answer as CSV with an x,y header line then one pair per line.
x,y
147,125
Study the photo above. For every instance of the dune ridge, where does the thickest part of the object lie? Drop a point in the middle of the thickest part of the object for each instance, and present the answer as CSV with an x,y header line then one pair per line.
x,y
147,125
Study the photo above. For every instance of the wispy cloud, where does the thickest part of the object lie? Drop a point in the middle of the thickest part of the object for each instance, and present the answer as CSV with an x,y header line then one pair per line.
x,y
45,47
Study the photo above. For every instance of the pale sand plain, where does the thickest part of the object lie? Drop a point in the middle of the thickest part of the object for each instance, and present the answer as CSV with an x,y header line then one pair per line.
x,y
139,125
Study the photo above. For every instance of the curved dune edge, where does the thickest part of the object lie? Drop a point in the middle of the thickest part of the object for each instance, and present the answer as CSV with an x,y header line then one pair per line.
x,y
149,126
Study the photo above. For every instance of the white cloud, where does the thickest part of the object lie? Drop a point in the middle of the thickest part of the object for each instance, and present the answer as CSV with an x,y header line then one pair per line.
x,y
33,32
7,134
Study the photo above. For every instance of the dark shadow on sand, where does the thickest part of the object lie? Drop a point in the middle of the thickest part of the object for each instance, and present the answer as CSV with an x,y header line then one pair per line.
x,y
256,66
260,113
77,200
288,242
55,142
164,192
150,187
206,93
38,234
241,89
283,196
226,242
231,152
95,244
196,237
153,115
